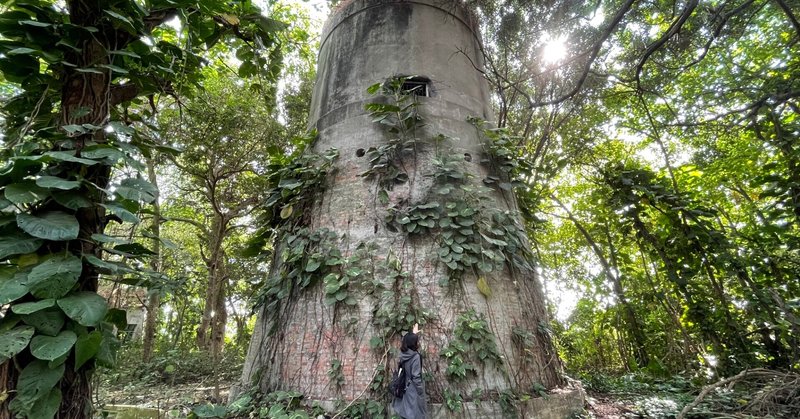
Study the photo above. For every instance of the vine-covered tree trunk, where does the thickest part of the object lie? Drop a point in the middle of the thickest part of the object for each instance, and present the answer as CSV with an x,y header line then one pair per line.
x,y
406,231
85,99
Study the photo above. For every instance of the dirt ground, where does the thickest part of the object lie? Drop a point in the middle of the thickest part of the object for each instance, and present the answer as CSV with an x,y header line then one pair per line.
x,y
603,407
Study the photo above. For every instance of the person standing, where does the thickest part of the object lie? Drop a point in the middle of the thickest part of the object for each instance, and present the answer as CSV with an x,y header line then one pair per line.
x,y
412,405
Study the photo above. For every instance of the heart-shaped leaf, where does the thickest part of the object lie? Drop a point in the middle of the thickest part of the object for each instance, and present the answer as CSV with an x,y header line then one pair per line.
x,y
55,277
12,285
49,348
137,189
86,308
26,192
18,244
53,225
35,382
47,406
28,308
71,199
57,183
47,322
14,341
86,347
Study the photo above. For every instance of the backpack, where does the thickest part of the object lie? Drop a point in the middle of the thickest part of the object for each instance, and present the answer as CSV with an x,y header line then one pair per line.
x,y
397,386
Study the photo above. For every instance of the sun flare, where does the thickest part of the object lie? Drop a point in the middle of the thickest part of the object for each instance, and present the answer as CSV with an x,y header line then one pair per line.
x,y
555,50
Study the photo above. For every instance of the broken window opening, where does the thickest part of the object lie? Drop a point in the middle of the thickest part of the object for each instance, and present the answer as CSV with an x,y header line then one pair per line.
x,y
419,86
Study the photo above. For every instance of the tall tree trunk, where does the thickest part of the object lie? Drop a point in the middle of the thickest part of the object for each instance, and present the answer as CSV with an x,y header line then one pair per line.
x,y
696,313
300,340
631,319
153,296
208,332
81,91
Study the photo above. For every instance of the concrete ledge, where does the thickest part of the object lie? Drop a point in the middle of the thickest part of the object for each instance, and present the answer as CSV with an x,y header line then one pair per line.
x,y
559,404
562,403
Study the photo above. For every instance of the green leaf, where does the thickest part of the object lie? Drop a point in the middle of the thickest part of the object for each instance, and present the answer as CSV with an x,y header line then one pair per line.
x,y
210,411
71,200
21,51
47,406
125,53
133,249
102,238
122,21
286,212
86,347
312,265
35,382
26,192
383,196
53,225
33,307
107,353
73,129
34,23
14,341
69,156
48,322
12,285
91,70
103,151
55,277
18,244
117,317
122,213
85,307
112,267
114,68
50,348
57,183
137,189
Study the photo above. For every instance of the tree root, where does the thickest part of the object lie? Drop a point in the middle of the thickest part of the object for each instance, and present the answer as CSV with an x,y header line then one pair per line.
x,y
778,391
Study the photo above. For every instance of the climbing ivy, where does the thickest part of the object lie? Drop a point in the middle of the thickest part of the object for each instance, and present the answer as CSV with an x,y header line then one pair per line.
x,y
294,184
400,118
394,310
509,167
335,373
71,148
453,400
365,408
306,258
472,341
472,233
508,404
503,156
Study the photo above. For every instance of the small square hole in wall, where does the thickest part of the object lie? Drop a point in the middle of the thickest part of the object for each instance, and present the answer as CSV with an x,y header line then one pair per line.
x,y
419,86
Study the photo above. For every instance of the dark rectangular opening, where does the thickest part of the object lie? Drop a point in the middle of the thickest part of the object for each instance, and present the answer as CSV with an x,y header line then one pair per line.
x,y
416,86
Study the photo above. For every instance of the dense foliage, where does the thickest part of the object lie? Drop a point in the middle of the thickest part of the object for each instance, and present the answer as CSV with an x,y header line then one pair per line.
x,y
663,145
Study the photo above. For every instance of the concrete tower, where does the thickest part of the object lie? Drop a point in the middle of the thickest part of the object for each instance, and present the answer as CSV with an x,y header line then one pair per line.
x,y
484,332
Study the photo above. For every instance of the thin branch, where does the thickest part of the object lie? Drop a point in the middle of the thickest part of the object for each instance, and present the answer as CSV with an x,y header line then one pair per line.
x,y
672,31
790,15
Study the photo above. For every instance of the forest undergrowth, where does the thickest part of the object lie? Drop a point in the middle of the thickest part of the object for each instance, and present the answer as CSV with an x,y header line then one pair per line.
x,y
174,383
180,384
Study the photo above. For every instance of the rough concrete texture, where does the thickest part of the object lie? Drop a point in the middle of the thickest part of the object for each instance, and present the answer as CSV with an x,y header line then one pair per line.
x,y
365,42
559,404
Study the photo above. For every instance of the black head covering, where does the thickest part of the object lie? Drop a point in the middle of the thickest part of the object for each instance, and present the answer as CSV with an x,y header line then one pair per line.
x,y
410,341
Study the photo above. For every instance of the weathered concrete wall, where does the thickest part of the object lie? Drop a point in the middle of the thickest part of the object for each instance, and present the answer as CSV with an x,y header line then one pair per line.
x,y
365,42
